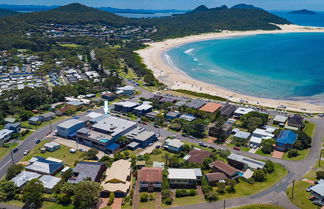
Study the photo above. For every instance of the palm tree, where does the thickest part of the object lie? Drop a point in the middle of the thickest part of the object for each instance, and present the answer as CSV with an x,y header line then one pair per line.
x,y
166,158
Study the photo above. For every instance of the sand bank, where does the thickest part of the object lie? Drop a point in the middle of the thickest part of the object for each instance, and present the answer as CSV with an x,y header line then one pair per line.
x,y
153,57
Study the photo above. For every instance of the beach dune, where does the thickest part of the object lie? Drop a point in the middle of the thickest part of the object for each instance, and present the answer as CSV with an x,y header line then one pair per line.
x,y
154,58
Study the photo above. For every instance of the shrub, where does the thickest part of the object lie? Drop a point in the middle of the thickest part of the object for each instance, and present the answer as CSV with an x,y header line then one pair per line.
x,y
156,151
320,175
220,187
168,201
258,176
144,197
292,153
212,196
269,166
151,196
111,198
192,192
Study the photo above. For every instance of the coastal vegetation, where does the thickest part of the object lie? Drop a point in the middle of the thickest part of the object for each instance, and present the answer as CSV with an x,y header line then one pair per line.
x,y
201,95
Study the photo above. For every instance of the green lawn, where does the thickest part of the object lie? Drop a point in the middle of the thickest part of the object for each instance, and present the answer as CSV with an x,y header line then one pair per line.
x,y
310,129
27,125
63,153
302,155
259,206
245,189
53,205
4,151
70,45
181,201
301,196
259,152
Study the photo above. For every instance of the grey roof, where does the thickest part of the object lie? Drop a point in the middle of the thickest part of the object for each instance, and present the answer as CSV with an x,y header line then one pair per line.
x,y
144,107
196,103
145,135
318,188
113,125
280,118
70,123
48,115
133,144
86,170
4,133
254,164
24,177
49,182
172,114
242,134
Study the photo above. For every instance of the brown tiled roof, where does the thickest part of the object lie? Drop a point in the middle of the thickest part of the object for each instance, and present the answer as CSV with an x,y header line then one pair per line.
x,y
215,176
150,175
225,168
198,156
211,107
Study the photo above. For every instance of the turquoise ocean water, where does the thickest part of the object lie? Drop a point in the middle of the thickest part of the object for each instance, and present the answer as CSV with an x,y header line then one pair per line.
x,y
277,66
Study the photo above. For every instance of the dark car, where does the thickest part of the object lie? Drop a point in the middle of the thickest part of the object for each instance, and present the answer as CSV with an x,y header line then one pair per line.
x,y
15,150
237,148
37,141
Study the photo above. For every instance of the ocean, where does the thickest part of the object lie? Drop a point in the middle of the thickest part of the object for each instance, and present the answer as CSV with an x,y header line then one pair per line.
x,y
278,66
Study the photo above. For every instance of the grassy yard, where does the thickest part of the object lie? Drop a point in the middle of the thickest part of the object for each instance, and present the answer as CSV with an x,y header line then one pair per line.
x,y
259,152
4,151
70,45
302,155
260,206
301,197
27,125
181,201
148,204
245,189
53,205
310,129
63,153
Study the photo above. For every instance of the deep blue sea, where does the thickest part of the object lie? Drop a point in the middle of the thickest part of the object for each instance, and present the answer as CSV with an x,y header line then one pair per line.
x,y
299,19
277,66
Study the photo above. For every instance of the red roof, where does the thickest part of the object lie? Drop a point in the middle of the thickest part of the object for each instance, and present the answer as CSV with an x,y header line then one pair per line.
x,y
198,156
150,175
211,177
224,168
211,107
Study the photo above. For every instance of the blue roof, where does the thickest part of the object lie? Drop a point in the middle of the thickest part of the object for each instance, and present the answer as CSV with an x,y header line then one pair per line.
x,y
113,147
287,137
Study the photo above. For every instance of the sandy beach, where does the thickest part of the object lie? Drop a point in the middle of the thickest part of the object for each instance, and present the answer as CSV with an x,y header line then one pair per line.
x,y
153,57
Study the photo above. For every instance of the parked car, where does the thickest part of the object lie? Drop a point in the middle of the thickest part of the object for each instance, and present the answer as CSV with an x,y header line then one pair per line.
x,y
203,144
26,152
237,148
308,189
15,150
37,141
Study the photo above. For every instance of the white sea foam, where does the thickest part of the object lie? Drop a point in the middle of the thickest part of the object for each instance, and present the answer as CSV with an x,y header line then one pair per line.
x,y
189,51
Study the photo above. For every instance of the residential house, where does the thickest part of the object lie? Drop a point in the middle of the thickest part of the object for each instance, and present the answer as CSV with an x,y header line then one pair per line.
x,y
47,116
167,99
126,90
35,120
296,121
242,135
108,96
150,179
5,135
83,170
286,140
25,176
118,178
44,166
196,103
10,120
141,136
151,115
228,110
243,163
220,166
210,107
52,146
183,177
317,192
172,115
197,156
13,126
173,145
49,182
143,109
216,129
188,117
68,128
214,178
239,112
125,107
280,119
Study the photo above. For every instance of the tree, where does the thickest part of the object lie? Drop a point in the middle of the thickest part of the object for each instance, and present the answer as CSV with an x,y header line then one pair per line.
x,y
269,166
303,141
14,170
33,193
25,115
231,185
220,187
7,190
267,146
87,194
91,154
258,176
66,194
123,140
211,196
149,79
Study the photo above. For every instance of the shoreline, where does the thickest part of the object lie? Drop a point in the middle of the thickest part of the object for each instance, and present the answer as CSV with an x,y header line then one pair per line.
x,y
153,57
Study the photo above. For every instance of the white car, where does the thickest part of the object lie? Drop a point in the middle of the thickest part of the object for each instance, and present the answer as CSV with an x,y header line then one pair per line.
x,y
26,152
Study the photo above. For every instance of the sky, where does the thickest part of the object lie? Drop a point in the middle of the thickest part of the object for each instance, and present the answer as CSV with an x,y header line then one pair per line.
x,y
181,4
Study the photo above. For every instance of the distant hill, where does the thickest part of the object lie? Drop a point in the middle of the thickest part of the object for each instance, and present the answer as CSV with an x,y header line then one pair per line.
x,y
200,20
5,13
303,12
245,6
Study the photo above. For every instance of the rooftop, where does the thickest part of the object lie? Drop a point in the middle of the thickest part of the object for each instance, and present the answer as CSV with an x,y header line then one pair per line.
x,y
225,168
150,175
287,137
143,107
198,156
217,176
211,107
45,166
24,177
127,104
254,164
70,123
113,125
86,170
49,182
174,143
280,118
181,173
243,111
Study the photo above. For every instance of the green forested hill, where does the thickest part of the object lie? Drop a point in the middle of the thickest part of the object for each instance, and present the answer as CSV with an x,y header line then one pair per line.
x,y
199,20
5,13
